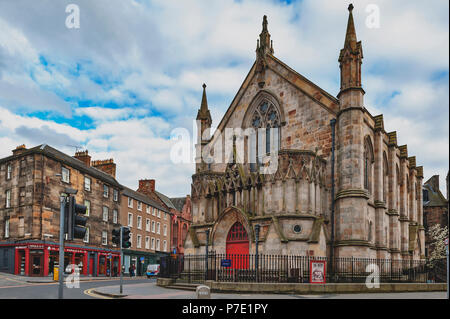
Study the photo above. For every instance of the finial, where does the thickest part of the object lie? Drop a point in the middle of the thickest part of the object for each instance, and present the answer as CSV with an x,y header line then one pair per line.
x,y
264,24
350,7
204,85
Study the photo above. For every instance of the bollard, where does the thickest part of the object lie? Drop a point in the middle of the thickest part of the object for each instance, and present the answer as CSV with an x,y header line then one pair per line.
x,y
203,292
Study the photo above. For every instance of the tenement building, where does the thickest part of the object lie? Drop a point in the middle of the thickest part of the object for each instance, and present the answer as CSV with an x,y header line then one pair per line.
x,y
31,184
150,227
299,158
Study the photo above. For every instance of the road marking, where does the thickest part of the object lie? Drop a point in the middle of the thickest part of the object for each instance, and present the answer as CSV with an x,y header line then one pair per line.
x,y
10,279
90,293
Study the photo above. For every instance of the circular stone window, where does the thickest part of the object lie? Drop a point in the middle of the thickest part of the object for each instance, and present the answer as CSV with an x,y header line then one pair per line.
x,y
297,229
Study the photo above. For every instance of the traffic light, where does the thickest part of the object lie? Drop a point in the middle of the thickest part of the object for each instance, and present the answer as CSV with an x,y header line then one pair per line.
x,y
126,237
74,221
116,236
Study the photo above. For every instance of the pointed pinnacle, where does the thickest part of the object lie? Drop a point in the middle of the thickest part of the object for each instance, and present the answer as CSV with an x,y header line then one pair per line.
x,y
350,36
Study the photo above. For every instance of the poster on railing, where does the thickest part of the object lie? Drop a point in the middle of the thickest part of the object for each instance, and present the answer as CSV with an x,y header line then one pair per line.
x,y
317,272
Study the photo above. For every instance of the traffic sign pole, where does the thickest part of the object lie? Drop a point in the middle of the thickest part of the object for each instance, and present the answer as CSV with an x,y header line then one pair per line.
x,y
61,247
121,261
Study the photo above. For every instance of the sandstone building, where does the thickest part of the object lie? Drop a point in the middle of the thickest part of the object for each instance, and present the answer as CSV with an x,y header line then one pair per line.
x,y
150,227
31,183
374,195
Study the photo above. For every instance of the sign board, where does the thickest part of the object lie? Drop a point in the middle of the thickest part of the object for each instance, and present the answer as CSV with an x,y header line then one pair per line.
x,y
317,272
225,262
174,251
142,259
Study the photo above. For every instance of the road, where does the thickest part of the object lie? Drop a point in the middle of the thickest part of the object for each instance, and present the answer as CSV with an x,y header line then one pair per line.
x,y
12,288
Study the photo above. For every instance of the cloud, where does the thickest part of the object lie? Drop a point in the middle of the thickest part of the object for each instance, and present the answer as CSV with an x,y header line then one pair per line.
x,y
134,69
45,135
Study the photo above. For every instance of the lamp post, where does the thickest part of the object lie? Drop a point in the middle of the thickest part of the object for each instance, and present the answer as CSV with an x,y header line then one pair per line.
x,y
257,227
206,255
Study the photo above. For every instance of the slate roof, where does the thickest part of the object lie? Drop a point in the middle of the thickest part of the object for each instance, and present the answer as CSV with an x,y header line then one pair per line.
x,y
142,198
67,160
178,202
435,197
166,200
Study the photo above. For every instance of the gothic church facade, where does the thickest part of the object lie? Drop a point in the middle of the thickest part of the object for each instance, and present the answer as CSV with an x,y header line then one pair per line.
x,y
334,161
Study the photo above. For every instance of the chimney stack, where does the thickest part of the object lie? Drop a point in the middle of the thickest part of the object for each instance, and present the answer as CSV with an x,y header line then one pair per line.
x,y
146,186
84,157
434,182
19,149
108,166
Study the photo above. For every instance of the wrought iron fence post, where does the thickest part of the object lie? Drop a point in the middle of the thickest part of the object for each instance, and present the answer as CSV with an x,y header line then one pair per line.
x,y
257,227
206,256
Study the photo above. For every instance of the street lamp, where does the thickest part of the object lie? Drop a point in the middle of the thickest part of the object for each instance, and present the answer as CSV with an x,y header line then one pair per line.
x,y
257,227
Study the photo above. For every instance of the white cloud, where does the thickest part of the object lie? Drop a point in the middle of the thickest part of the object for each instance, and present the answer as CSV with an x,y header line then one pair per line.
x,y
151,57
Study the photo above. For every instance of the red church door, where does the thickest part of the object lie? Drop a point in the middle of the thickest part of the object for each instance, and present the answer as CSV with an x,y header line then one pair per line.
x,y
237,246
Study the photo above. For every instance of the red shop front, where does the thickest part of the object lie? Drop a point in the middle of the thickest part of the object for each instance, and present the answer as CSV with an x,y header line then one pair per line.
x,y
33,259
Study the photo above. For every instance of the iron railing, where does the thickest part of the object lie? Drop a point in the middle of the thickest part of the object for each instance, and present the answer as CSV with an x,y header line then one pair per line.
x,y
289,268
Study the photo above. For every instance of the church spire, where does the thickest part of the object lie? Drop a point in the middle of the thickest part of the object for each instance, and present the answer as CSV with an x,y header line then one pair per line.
x,y
265,44
350,36
203,112
350,58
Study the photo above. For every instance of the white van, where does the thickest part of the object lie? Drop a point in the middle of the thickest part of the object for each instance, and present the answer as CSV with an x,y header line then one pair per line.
x,y
152,270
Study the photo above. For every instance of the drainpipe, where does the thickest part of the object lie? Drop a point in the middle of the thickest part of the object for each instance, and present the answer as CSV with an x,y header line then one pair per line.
x,y
332,123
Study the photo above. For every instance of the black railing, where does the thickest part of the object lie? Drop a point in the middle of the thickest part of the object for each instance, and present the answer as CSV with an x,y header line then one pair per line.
x,y
290,269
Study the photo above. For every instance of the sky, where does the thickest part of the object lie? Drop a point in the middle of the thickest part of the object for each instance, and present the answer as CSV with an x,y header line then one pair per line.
x,y
133,72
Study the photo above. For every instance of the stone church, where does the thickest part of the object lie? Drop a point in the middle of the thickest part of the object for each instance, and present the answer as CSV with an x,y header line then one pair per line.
x,y
331,161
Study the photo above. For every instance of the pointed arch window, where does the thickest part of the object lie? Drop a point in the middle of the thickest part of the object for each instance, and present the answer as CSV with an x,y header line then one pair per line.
x,y
385,177
368,162
266,138
237,233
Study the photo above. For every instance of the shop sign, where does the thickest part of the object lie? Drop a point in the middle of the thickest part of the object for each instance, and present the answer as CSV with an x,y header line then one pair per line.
x,y
21,247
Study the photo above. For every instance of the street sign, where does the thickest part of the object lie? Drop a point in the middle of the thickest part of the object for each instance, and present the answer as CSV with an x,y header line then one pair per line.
x,y
174,251
225,262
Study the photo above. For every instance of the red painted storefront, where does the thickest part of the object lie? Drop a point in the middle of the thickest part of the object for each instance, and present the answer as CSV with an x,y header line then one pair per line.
x,y
37,259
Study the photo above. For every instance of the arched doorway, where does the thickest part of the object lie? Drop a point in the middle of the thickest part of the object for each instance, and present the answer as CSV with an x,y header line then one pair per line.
x,y
237,246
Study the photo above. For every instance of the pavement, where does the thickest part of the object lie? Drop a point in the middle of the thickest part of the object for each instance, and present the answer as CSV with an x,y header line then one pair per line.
x,y
150,290
49,279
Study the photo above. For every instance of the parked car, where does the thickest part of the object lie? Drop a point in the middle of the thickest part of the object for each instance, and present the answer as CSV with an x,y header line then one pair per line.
x,y
152,270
